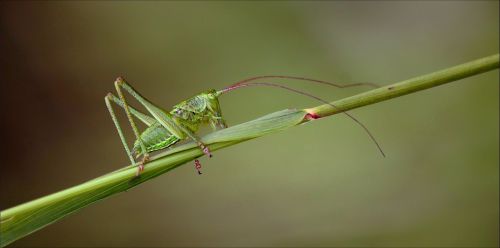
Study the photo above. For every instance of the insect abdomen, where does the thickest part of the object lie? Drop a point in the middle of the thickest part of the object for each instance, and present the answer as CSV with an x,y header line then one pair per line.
x,y
155,137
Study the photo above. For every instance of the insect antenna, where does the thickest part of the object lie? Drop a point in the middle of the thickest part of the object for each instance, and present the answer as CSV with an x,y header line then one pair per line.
x,y
310,80
244,83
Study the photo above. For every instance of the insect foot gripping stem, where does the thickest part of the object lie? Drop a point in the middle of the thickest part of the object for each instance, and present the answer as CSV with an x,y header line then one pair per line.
x,y
205,149
197,165
140,168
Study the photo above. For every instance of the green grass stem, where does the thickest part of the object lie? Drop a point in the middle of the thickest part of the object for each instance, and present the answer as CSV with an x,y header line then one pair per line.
x,y
409,86
21,220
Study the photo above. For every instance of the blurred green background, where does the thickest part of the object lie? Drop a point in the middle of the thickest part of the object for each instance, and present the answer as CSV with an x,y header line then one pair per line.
x,y
321,184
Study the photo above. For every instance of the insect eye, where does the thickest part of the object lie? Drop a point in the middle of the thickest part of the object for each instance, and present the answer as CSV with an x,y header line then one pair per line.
x,y
178,112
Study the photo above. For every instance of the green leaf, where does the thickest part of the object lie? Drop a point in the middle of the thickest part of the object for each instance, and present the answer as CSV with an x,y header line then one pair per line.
x,y
24,219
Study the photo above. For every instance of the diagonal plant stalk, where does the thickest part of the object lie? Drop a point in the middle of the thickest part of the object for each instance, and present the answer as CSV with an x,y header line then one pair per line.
x,y
19,221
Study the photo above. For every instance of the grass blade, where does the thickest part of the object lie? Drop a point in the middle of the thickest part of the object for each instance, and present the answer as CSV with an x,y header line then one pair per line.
x,y
26,218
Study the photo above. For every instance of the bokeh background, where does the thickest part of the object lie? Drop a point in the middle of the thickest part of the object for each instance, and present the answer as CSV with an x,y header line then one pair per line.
x,y
321,184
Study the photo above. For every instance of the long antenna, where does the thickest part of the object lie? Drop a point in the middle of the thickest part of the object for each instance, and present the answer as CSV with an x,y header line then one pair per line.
x,y
242,84
337,85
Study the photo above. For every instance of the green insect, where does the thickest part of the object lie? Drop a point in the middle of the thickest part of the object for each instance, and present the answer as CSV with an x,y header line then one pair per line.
x,y
166,128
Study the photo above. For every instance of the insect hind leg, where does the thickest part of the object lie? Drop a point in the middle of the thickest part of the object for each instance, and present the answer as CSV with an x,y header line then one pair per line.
x,y
118,127
164,118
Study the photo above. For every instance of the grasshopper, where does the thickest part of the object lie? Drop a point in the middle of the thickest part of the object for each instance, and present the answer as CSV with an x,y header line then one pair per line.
x,y
166,128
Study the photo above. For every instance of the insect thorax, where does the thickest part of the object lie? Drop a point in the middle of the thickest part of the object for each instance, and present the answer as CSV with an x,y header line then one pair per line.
x,y
202,108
